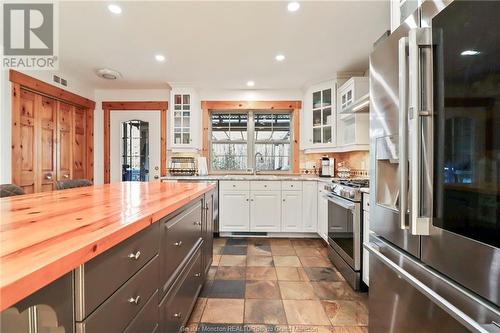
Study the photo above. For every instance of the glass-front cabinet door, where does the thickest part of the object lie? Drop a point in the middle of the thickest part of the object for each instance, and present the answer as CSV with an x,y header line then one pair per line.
x,y
322,116
182,119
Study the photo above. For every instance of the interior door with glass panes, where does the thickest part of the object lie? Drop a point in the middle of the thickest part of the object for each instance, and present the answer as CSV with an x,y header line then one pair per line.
x,y
182,120
135,146
323,119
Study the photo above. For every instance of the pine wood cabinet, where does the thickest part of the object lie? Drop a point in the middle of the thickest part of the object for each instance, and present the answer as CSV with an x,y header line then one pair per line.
x,y
51,140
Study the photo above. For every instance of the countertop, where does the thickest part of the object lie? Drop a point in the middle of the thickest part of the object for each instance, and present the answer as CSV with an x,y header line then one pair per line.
x,y
250,177
46,235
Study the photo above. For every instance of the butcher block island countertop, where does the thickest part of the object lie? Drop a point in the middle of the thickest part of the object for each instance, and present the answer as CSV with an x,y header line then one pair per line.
x,y
46,235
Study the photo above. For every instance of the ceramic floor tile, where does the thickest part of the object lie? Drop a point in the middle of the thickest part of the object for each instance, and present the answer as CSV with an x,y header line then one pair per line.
x,y
229,260
334,291
261,273
280,242
307,242
264,312
236,241
352,329
219,241
258,241
223,311
234,250
323,251
323,274
346,313
312,329
306,251
191,328
305,312
231,273
256,328
218,250
287,261
282,250
288,274
220,328
215,260
296,290
259,250
198,310
264,289
315,262
227,289
259,261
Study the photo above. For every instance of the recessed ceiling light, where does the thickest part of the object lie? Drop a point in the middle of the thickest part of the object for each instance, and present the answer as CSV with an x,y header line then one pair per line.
x,y
293,6
279,57
115,9
160,57
250,83
470,53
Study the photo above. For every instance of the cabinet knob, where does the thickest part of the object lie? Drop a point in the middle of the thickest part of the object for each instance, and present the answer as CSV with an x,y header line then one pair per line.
x,y
48,176
251,199
283,200
179,243
66,176
178,315
197,275
134,300
246,199
134,256
197,223
156,177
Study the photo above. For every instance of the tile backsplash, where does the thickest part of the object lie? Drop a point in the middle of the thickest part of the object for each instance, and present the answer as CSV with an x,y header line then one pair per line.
x,y
357,161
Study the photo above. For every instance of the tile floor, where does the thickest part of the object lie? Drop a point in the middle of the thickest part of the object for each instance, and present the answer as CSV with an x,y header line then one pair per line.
x,y
276,285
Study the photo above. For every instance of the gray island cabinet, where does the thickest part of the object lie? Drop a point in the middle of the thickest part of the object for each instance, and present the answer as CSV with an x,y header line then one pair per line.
x,y
146,283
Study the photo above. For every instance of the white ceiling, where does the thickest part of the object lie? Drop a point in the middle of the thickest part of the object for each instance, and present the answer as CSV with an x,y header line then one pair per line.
x,y
218,44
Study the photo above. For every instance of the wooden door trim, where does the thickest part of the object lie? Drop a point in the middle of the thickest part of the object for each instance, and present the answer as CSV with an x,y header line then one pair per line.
x,y
293,106
161,106
51,91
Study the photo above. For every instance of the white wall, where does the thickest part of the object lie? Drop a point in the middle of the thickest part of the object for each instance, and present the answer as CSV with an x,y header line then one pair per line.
x,y
75,86
117,95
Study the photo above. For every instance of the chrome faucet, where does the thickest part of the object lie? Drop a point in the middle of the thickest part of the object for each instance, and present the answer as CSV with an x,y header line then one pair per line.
x,y
255,162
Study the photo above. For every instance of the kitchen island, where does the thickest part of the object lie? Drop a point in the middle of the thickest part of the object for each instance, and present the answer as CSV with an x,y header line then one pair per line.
x,y
95,234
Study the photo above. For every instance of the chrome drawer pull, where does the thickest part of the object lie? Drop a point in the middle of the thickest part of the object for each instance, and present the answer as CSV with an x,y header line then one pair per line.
x,y
178,315
197,223
179,243
134,256
197,275
135,300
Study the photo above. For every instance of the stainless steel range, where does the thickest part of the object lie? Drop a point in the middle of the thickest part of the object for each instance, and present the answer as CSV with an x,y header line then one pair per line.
x,y
345,228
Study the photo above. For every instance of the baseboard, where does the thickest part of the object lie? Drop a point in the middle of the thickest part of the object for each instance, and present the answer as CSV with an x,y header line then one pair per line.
x,y
240,234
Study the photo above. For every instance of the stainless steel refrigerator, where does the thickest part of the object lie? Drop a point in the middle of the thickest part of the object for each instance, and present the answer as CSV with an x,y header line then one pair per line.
x,y
435,172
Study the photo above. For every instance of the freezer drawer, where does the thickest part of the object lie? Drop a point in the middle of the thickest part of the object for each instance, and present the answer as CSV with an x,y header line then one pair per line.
x,y
407,296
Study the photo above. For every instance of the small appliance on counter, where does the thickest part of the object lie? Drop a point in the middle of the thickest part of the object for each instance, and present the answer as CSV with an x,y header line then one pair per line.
x,y
327,167
182,166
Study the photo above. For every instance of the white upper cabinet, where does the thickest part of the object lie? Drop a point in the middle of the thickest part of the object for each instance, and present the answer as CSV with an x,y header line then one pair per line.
x,y
401,10
353,116
319,116
185,121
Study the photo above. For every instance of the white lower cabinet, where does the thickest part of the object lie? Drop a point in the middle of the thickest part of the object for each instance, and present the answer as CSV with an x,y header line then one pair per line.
x,y
291,211
273,206
265,212
234,215
309,207
322,212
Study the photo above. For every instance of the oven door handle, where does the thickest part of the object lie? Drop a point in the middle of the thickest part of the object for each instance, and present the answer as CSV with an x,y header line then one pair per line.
x,y
341,202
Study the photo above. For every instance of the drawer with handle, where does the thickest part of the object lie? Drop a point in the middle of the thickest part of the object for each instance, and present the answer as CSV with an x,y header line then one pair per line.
x,y
118,311
97,279
146,320
176,306
179,236
291,185
236,185
259,185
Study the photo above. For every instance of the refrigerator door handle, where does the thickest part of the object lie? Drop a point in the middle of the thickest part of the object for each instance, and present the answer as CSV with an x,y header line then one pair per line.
x,y
420,129
445,305
403,132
